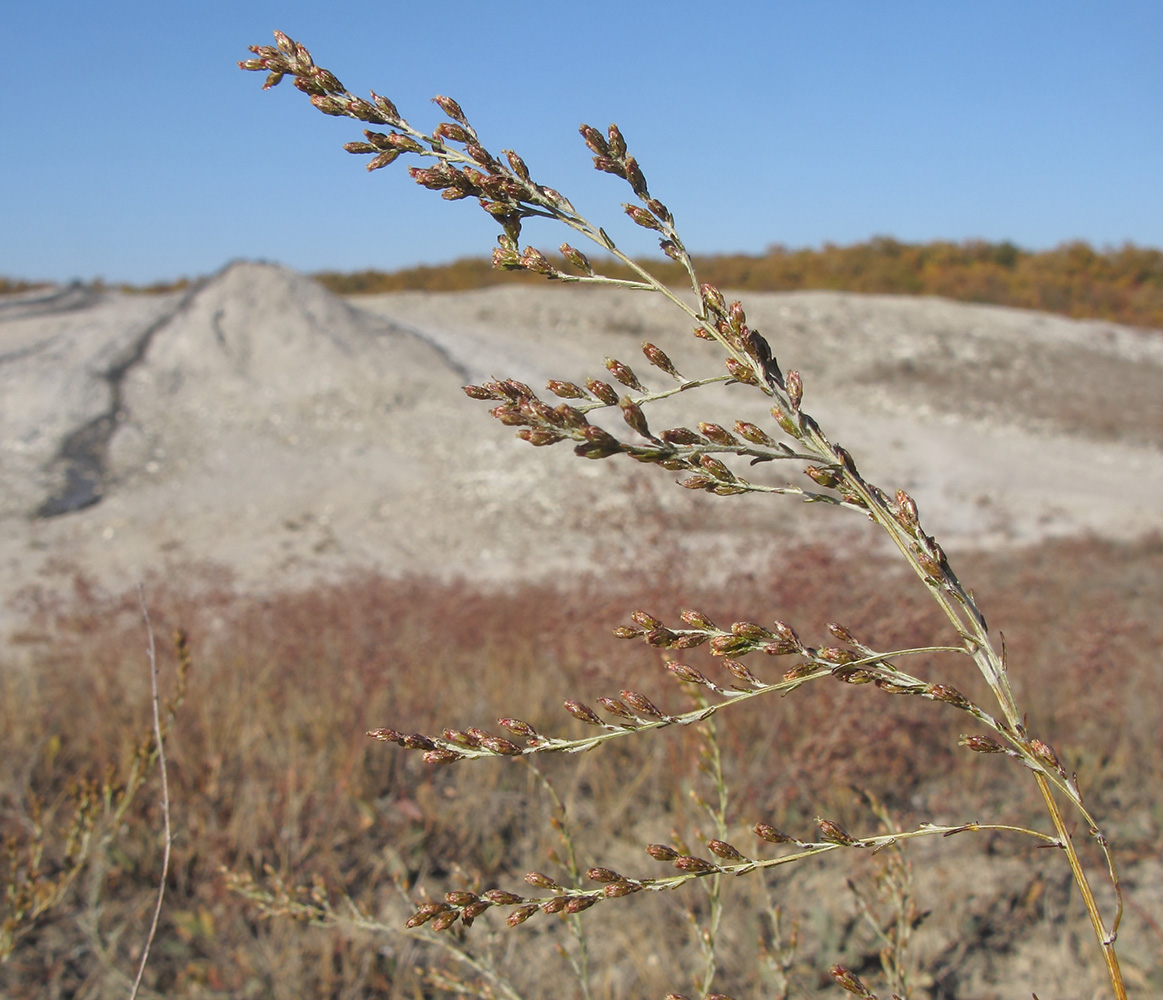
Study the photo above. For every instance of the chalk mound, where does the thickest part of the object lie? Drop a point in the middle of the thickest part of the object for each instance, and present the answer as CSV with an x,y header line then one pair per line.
x,y
101,388
258,422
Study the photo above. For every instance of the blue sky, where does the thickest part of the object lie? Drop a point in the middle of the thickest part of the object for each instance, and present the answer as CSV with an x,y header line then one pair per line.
x,y
133,149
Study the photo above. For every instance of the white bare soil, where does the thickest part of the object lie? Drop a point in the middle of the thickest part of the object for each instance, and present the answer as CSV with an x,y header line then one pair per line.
x,y
260,423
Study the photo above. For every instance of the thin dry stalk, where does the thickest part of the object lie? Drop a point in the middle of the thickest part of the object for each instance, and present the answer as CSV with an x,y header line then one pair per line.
x,y
168,839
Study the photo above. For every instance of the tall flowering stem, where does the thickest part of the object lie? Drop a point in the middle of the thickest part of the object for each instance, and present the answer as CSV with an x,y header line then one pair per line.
x,y
455,162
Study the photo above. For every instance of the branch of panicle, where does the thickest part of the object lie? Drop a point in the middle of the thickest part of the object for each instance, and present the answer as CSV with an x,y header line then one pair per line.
x,y
726,859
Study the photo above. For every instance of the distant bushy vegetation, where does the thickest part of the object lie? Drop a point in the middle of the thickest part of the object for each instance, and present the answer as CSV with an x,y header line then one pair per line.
x,y
10,286
1123,285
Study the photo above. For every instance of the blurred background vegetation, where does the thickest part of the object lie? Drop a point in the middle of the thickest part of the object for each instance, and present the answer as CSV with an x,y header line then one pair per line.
x,y
1124,284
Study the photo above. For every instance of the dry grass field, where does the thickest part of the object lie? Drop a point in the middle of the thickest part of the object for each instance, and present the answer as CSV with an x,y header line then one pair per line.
x,y
270,772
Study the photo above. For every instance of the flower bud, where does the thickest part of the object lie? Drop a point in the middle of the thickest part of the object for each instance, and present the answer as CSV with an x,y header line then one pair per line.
x,y
617,143
641,704
583,712
687,863
765,831
577,258
521,915
795,389
623,373
718,435
751,631
641,217
616,708
721,849
848,980
602,391
541,881
687,674
502,898
835,834
450,108
565,390
386,108
696,619
633,415
753,434
682,435
460,898
603,875
637,183
949,695
517,164
660,852
981,744
658,357
717,469
595,140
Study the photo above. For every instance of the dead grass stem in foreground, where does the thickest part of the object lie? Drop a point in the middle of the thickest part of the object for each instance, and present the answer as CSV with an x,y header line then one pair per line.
x,y
708,459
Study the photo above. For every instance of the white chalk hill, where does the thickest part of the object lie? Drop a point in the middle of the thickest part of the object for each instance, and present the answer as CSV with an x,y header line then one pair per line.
x,y
259,422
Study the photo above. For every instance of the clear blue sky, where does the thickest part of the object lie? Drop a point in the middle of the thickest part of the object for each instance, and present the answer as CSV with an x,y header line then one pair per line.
x,y
132,148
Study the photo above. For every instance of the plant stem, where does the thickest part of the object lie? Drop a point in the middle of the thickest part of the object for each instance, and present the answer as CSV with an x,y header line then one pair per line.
x,y
1105,939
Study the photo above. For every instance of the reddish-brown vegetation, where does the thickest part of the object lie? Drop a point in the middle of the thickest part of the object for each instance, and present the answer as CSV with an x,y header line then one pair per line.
x,y
269,765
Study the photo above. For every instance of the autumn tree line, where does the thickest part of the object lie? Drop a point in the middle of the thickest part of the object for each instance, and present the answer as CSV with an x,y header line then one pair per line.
x,y
1124,284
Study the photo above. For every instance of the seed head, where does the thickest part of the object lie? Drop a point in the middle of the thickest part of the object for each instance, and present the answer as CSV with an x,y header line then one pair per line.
x,y
641,704
687,674
426,913
848,980
602,391
595,140
696,619
575,904
688,863
460,898
502,898
577,259
658,357
624,374
741,372
753,434
633,415
949,695
541,881
718,435
721,849
765,831
450,108
637,183
740,671
603,875
521,915
617,143
795,389
834,833
615,707
583,712
981,744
